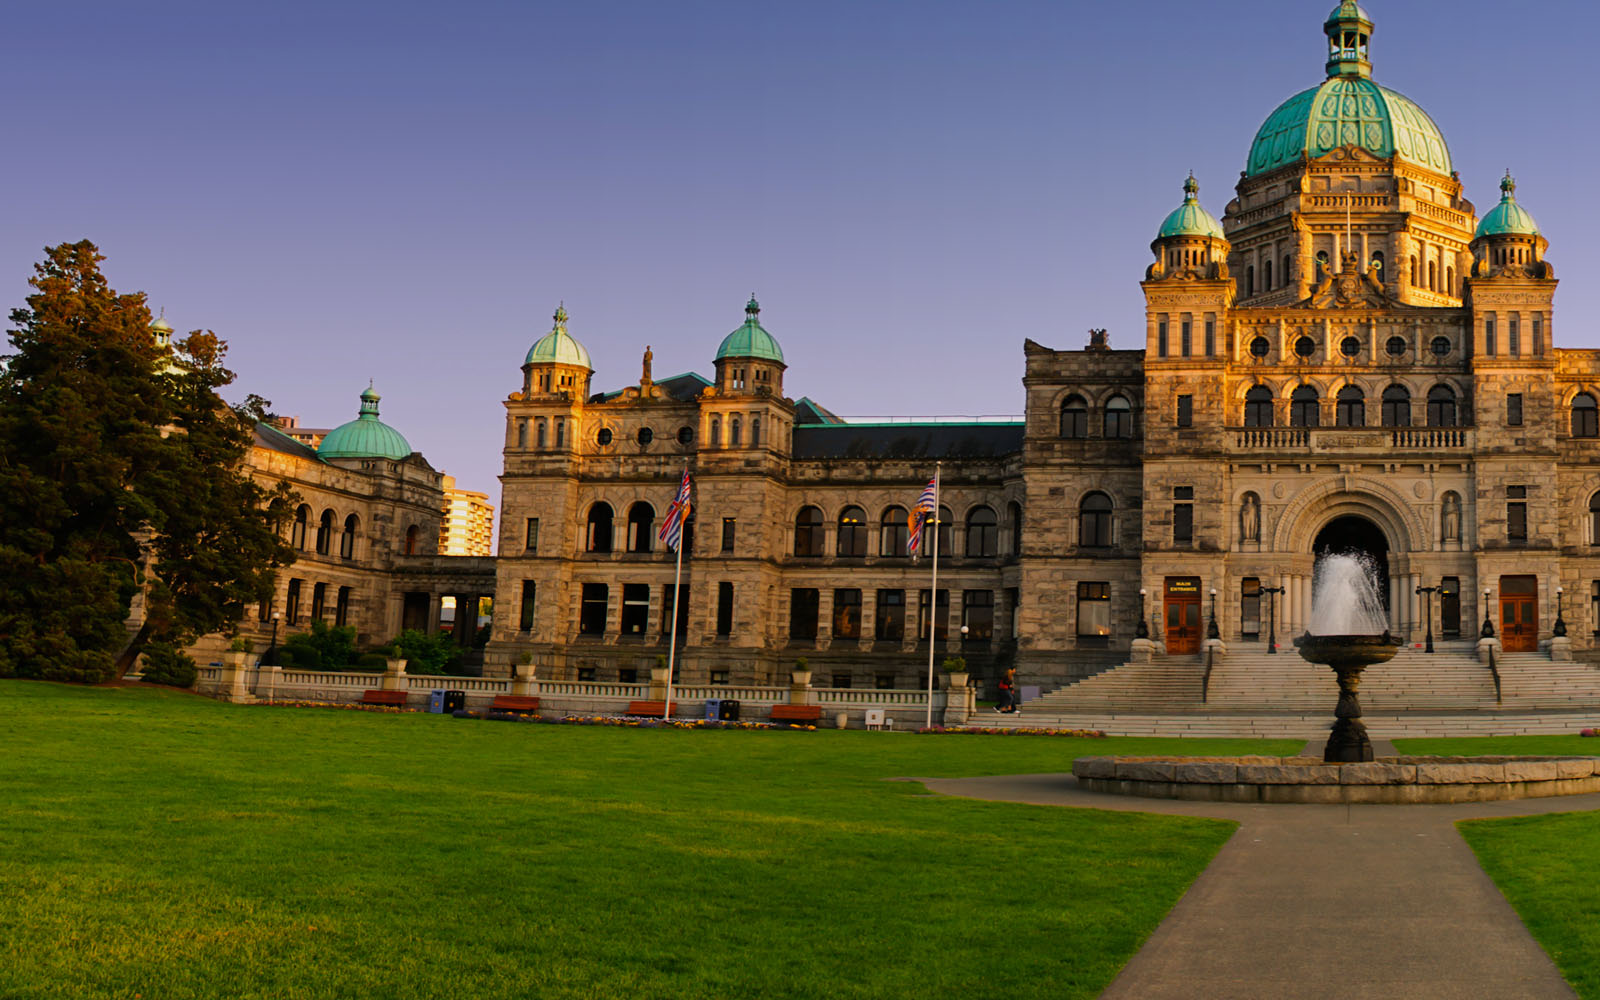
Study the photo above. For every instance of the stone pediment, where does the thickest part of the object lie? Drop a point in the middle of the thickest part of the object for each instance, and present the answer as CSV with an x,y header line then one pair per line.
x,y
1352,288
1345,155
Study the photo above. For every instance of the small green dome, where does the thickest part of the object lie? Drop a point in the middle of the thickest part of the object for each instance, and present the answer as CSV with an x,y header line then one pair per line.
x,y
1508,217
365,437
1344,111
1348,10
751,340
1189,219
160,324
558,346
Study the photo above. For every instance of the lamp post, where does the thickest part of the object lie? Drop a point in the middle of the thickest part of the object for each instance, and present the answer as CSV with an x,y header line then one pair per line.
x,y
1272,617
1427,603
271,656
1488,626
1560,629
1212,632
1141,630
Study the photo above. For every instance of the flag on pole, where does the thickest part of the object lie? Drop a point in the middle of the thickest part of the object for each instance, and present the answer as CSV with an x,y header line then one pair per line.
x,y
678,512
920,515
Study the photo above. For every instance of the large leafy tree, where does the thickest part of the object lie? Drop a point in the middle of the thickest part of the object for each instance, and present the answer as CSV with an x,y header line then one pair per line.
x,y
119,476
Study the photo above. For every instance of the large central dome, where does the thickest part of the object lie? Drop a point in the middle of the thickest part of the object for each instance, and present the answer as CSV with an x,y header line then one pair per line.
x,y
1348,109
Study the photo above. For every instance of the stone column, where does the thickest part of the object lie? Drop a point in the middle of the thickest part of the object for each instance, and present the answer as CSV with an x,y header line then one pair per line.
x,y
1394,605
1413,581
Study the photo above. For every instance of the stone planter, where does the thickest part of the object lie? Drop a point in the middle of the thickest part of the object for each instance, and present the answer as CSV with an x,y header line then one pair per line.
x,y
394,678
235,680
800,678
956,679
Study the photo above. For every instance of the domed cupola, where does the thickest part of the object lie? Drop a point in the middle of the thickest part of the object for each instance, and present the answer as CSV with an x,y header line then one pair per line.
x,y
1508,241
1190,242
749,359
161,332
557,364
365,437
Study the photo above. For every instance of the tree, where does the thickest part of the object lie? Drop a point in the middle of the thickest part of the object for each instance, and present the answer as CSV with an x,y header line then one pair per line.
x,y
119,472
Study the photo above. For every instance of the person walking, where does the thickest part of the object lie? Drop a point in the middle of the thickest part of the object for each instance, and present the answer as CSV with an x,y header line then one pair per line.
x,y
1008,692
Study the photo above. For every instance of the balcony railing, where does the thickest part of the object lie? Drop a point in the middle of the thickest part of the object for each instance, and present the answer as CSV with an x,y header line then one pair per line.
x,y
1331,439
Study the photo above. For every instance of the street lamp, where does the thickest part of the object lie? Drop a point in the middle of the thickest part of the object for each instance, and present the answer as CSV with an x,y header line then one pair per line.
x,y
1488,626
271,657
1560,629
1142,630
1272,617
1212,632
1427,601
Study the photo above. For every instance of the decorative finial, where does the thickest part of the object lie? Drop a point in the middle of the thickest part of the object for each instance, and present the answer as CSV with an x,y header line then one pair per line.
x,y
561,315
369,401
1191,188
752,308
1508,186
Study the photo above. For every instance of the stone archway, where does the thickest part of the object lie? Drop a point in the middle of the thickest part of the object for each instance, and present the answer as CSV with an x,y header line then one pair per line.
x,y
1355,534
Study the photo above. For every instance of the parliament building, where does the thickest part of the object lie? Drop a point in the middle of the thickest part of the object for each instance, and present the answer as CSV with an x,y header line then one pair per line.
x,y
1352,358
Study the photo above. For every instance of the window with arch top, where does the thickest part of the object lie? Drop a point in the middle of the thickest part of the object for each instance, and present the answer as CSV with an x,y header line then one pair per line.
x,y
1594,527
808,532
641,526
1305,407
983,533
1014,515
347,539
1350,407
413,540
1322,265
1585,419
893,533
597,536
852,540
1074,417
1441,406
1258,407
1118,418
1397,406
325,533
1094,521
297,533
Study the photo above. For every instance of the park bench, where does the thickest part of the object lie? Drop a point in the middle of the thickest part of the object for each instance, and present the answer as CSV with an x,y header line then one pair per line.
x,y
796,713
514,703
391,699
655,708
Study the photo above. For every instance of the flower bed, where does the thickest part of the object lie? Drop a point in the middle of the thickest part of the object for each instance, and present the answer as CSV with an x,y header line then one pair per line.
x,y
1092,734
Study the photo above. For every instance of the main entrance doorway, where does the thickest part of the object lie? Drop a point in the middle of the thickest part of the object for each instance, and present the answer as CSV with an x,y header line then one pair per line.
x,y
1354,535
1183,614
1519,614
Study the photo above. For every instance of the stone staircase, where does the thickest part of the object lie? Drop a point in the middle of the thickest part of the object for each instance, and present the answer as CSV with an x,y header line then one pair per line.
x,y
1533,680
1449,679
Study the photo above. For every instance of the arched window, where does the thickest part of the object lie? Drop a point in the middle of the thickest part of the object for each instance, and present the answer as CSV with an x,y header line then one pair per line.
x,y
716,432
325,533
297,534
597,535
944,522
1584,417
1266,276
1433,276
1258,407
1322,265
808,532
983,533
1397,406
755,432
1118,418
347,540
1350,407
1378,265
1286,272
1450,281
734,434
1074,417
1414,271
1249,281
1305,408
1014,514
522,433
413,540
1594,525
1441,406
1094,521
641,526
893,531
852,541
539,433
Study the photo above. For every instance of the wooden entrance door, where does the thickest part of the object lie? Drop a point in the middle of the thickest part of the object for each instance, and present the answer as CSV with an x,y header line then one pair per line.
x,y
1183,614
1519,614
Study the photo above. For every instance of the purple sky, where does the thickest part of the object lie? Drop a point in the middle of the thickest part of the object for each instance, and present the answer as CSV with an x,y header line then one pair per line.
x,y
404,192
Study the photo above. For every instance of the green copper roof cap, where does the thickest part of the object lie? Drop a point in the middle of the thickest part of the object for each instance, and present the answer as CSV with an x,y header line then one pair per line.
x,y
366,436
751,340
1508,217
558,346
1189,219
1348,109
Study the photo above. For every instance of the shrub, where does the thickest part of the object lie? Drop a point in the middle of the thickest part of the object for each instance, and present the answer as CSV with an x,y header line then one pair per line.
x,y
325,647
372,661
424,653
239,645
165,663
955,664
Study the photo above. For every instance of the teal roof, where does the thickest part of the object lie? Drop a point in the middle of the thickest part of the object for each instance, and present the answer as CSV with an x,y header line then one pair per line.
x,y
365,437
1189,219
1508,217
1347,10
558,346
1344,111
751,340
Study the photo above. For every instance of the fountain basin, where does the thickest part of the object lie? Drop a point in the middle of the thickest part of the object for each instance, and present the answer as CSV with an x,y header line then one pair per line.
x,y
1399,780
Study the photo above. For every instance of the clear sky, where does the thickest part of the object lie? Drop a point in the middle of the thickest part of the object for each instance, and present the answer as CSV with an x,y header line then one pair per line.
x,y
404,191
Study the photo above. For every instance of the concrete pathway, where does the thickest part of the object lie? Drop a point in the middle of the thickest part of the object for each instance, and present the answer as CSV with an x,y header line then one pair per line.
x,y
1325,901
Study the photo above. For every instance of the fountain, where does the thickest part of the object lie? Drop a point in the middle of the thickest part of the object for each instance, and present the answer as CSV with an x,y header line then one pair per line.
x,y
1347,633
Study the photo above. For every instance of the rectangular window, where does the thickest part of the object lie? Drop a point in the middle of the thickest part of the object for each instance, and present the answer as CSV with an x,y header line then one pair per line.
x,y
884,682
1211,338
586,674
592,611
1513,409
667,606
1514,337
625,675
1250,607
525,620
264,610
1488,336
341,607
719,677
1594,606
803,602
1538,336
1185,338
291,603
977,614
847,614
1183,515
530,543
725,608
1185,411
319,601
1094,613
841,680
1516,514
727,535
941,616
1450,607
1161,339
635,608
1013,608
891,615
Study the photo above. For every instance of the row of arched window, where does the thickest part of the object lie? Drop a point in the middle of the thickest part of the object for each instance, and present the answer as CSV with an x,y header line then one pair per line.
x,y
326,528
1116,417
639,533
1429,277
1350,407
980,535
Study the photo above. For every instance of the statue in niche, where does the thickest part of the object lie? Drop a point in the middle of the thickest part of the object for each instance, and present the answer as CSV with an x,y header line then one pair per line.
x,y
1450,518
1250,518
645,377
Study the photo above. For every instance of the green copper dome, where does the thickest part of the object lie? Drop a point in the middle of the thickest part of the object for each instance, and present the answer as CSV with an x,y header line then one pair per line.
x,y
1189,219
751,340
1348,109
559,347
1508,217
365,437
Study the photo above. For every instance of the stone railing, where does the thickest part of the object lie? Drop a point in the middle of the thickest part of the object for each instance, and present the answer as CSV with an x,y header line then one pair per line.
x,y
328,679
471,685
1331,439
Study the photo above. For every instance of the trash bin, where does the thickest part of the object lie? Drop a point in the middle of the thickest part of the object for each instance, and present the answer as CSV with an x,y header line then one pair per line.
x,y
713,709
455,700
436,701
728,709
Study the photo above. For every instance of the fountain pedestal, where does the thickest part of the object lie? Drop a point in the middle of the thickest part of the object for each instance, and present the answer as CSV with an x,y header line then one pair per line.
x,y
1348,655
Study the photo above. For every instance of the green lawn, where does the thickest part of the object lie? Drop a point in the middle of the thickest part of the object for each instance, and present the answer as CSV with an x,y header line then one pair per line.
x,y
1545,865
155,843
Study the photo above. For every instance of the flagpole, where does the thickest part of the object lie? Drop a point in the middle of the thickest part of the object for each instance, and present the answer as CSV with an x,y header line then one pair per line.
x,y
677,596
933,594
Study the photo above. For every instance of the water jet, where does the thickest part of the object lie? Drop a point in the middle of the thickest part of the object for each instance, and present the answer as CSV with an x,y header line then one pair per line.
x,y
1347,634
